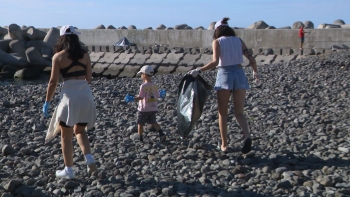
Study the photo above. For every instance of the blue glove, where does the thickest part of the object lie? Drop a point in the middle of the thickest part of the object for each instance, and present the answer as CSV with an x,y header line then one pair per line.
x,y
46,107
162,93
129,98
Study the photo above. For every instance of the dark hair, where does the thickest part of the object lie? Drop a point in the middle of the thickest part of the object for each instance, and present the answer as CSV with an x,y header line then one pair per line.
x,y
223,30
71,44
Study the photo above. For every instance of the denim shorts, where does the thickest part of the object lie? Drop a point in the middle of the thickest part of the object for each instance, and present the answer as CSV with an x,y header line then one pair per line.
x,y
231,78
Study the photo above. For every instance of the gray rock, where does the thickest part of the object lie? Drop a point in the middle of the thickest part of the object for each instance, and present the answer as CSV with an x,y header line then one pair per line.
x,y
100,27
258,25
28,73
297,25
15,32
339,22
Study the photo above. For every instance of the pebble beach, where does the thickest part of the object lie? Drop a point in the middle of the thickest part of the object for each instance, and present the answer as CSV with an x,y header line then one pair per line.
x,y
298,114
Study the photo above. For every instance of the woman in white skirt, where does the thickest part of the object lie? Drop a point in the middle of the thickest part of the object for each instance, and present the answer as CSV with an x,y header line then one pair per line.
x,y
76,110
228,51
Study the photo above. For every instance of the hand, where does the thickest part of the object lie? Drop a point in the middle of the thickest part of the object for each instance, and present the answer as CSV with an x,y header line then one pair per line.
x,y
194,72
256,76
162,93
129,98
46,107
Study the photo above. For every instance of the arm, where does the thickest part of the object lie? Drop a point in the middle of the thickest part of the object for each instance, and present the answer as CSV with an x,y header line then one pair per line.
x,y
138,98
249,56
216,55
141,94
55,73
88,75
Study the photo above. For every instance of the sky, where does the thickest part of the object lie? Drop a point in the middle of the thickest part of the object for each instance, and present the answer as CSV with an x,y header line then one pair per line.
x,y
88,14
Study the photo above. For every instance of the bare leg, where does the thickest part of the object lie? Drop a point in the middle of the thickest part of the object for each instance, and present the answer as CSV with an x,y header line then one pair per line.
x,y
223,99
82,139
238,101
67,145
84,144
156,126
140,129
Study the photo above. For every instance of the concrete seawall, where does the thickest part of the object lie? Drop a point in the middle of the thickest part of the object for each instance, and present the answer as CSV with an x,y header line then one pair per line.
x,y
257,40
174,51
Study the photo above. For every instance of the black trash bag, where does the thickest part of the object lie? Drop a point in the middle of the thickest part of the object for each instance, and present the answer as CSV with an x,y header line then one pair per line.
x,y
192,95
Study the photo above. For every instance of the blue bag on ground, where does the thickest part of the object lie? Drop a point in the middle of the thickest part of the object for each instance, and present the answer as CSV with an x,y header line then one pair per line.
x,y
192,94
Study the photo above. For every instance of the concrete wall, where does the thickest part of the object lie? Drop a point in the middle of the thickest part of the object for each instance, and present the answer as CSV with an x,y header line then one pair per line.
x,y
255,39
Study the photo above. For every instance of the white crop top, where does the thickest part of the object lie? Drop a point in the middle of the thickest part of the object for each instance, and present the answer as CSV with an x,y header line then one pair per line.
x,y
231,51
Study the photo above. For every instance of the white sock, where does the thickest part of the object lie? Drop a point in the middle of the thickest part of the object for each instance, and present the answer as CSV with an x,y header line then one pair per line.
x,y
69,169
89,159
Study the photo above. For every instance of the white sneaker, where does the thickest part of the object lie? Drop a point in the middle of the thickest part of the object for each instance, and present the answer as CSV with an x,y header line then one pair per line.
x,y
64,174
91,167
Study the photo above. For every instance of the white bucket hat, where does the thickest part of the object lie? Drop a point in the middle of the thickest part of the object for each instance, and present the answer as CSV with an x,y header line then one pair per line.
x,y
63,30
147,69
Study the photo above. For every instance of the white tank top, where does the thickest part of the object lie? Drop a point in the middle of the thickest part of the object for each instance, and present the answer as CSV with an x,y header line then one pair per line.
x,y
231,51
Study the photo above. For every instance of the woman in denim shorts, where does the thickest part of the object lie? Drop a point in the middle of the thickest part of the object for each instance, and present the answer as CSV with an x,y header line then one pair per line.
x,y
228,52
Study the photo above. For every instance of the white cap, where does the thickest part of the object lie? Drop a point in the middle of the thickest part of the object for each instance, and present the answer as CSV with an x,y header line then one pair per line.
x,y
63,30
217,24
147,69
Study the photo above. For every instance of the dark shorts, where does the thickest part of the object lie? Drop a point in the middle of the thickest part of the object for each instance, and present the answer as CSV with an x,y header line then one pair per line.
x,y
63,124
302,40
144,118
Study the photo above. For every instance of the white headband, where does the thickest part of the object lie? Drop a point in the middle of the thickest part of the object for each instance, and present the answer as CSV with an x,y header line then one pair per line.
x,y
217,24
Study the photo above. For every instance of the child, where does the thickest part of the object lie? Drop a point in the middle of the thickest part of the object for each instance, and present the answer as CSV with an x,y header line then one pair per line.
x,y
148,106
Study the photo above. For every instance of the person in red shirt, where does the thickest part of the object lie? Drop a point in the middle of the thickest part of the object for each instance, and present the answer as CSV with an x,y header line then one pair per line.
x,y
301,35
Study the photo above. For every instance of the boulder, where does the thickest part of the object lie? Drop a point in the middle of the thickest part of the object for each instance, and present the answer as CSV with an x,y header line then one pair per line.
x,y
285,27
28,73
35,58
6,75
199,28
148,28
13,59
331,26
211,26
3,31
161,27
328,26
45,50
111,27
271,27
122,27
15,32
309,25
10,69
33,34
268,51
258,25
7,150
131,27
297,25
5,45
18,46
181,26
188,28
339,22
51,37
100,27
